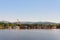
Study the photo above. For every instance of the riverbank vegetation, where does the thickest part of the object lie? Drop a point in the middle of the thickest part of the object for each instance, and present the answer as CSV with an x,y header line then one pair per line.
x,y
29,26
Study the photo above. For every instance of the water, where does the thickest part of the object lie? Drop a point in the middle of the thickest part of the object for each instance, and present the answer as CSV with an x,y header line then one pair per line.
x,y
30,34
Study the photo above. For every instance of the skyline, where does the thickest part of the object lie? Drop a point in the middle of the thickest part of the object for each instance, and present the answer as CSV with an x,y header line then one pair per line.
x,y
30,10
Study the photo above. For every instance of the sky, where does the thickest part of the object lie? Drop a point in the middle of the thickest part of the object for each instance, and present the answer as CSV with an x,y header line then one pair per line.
x,y
30,10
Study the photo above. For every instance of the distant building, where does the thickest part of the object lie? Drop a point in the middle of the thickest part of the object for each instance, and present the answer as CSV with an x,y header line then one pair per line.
x,y
54,27
15,27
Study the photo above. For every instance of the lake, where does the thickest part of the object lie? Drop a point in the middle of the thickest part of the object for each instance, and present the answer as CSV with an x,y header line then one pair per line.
x,y
42,34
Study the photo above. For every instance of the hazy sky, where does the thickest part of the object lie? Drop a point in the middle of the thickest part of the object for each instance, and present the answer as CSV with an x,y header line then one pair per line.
x,y
30,10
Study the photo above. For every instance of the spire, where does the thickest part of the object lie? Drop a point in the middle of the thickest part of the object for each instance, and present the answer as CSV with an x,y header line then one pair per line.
x,y
19,22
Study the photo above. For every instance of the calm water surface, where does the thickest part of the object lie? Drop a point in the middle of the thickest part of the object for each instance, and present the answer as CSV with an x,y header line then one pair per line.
x,y
30,34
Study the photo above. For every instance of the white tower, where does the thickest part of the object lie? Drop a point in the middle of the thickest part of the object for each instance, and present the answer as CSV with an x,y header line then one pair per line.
x,y
19,22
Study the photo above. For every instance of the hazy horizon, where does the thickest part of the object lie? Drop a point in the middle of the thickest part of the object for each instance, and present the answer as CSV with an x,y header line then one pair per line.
x,y
30,10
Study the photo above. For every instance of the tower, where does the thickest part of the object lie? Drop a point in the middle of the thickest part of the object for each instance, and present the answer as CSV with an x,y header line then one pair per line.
x,y
18,21
19,24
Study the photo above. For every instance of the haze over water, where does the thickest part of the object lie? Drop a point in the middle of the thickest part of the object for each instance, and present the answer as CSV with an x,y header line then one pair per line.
x,y
42,34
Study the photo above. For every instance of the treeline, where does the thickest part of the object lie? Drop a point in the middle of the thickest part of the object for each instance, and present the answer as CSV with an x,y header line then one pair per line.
x,y
2,25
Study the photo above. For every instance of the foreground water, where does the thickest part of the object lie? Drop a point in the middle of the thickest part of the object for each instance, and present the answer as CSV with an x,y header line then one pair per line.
x,y
30,34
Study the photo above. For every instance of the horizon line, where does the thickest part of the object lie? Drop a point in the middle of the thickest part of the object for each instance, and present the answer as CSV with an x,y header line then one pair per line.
x,y
28,21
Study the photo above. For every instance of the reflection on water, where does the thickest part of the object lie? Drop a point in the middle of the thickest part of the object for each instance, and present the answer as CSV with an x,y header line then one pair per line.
x,y
30,34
